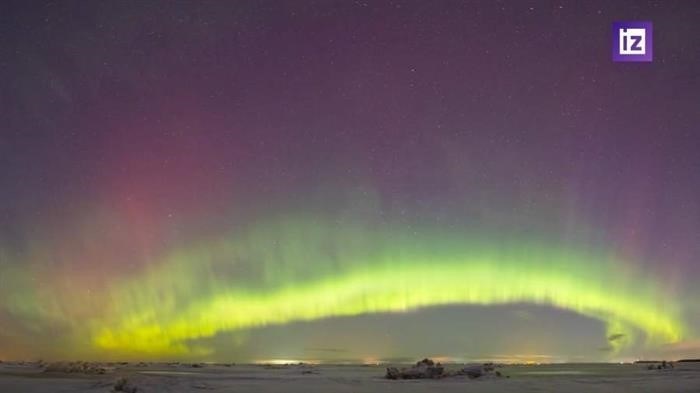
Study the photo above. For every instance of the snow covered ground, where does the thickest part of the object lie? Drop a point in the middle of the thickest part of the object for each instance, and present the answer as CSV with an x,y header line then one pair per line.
x,y
591,378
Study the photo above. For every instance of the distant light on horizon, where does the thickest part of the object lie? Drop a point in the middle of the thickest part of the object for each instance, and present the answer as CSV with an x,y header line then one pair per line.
x,y
350,182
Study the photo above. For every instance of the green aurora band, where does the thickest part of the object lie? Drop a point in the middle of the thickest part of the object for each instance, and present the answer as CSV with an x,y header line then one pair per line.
x,y
304,269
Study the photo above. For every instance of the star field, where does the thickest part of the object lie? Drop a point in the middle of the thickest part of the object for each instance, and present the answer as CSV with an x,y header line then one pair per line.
x,y
253,180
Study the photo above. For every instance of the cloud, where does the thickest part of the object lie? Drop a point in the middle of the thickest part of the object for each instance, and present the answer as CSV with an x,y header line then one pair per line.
x,y
616,337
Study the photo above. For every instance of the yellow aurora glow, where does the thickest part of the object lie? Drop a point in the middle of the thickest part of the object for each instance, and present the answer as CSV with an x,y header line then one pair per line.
x,y
188,297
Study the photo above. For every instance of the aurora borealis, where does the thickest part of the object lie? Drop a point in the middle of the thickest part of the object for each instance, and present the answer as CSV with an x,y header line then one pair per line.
x,y
328,181
397,278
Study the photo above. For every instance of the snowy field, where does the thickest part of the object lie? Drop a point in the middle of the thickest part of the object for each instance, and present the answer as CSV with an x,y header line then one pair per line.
x,y
31,378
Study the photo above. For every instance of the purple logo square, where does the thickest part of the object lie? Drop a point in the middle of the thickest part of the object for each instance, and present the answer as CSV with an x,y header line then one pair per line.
x,y
632,41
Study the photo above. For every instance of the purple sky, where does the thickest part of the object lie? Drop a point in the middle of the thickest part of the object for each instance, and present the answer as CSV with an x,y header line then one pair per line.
x,y
152,126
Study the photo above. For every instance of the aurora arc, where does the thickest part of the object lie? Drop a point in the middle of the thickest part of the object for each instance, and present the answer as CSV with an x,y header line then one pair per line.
x,y
193,293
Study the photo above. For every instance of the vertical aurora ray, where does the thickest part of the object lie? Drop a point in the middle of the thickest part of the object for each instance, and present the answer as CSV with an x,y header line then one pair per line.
x,y
169,182
211,289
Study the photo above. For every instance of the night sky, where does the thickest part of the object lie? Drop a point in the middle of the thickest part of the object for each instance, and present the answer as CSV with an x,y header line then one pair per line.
x,y
347,180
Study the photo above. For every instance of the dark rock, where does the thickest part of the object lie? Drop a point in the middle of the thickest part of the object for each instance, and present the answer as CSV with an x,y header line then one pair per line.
x,y
664,365
473,371
75,368
392,373
436,371
426,362
479,371
424,369
123,385
428,369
